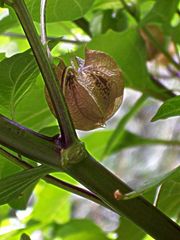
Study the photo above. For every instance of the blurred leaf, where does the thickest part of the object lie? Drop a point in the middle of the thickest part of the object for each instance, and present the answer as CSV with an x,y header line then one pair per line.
x,y
108,19
169,108
129,231
125,140
13,186
91,140
108,4
8,21
60,10
173,175
176,33
162,11
169,198
80,229
52,205
17,75
24,236
21,202
4,212
119,131
2,56
129,139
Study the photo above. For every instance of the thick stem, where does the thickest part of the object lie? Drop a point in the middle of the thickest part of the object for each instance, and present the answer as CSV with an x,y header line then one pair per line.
x,y
102,182
55,181
92,175
19,139
51,81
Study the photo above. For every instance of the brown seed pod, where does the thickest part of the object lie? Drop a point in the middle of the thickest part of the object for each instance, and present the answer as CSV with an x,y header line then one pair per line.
x,y
93,91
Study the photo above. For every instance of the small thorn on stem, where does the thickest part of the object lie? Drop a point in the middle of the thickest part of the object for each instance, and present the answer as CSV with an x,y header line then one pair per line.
x,y
117,195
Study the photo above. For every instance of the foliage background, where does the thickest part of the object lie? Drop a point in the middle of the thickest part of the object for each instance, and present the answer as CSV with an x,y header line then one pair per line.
x,y
141,151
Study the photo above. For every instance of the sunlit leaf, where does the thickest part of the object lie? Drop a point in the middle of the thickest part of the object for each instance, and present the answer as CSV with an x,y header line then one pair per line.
x,y
80,229
58,10
8,22
17,75
162,11
169,108
52,205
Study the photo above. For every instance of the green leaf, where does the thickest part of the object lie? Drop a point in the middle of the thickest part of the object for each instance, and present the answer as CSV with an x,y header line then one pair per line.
x,y
7,168
8,22
33,111
80,229
169,108
108,19
13,186
170,176
176,34
129,139
91,140
169,198
17,75
125,140
129,231
52,205
108,4
24,236
119,131
162,11
21,202
2,56
60,10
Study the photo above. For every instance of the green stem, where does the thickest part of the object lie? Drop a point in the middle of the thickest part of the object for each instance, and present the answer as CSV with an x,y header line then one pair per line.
x,y
46,68
104,184
120,129
25,142
92,175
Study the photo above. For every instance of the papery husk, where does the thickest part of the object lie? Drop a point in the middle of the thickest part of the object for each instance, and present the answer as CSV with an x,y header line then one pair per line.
x,y
93,92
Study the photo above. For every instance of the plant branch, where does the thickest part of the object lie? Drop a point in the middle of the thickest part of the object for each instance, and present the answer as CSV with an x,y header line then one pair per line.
x,y
92,175
29,144
55,181
48,73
